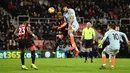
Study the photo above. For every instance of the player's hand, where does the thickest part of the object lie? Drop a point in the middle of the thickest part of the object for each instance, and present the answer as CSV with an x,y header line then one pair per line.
x,y
59,28
36,37
16,34
93,42
81,43
128,42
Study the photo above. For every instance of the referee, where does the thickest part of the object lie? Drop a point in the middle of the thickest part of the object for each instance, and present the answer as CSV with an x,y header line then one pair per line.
x,y
88,36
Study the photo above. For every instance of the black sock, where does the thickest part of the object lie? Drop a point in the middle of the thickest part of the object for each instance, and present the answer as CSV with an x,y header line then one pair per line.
x,y
57,43
33,56
86,55
91,55
22,58
41,53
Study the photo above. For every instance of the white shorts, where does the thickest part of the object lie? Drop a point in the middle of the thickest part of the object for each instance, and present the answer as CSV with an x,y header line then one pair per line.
x,y
109,50
75,26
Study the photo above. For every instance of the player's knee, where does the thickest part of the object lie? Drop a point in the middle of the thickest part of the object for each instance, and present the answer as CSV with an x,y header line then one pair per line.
x,y
112,56
103,52
70,31
71,34
74,45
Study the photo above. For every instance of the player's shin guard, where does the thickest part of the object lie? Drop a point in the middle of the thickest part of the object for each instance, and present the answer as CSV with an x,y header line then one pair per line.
x,y
33,56
22,58
110,56
72,42
103,59
91,56
112,61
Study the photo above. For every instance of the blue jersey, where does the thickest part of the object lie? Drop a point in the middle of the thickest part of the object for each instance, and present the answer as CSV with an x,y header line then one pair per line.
x,y
67,15
114,38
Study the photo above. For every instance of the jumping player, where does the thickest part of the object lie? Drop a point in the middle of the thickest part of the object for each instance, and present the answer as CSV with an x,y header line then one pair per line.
x,y
61,32
70,19
23,32
114,46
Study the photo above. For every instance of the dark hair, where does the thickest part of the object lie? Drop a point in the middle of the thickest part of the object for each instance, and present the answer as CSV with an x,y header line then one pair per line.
x,y
112,26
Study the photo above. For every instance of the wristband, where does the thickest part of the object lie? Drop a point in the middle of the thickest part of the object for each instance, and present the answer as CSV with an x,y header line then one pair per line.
x,y
33,34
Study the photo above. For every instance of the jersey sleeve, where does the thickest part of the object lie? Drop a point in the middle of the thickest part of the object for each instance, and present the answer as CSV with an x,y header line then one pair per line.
x,y
105,37
124,35
93,32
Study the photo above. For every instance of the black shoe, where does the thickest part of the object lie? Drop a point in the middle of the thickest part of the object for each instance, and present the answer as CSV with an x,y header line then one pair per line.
x,y
102,67
91,61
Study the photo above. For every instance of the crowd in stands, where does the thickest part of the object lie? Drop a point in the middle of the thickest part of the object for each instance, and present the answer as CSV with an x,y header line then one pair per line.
x,y
6,29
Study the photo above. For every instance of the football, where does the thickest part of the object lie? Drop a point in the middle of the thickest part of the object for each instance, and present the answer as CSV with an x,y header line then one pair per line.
x,y
51,10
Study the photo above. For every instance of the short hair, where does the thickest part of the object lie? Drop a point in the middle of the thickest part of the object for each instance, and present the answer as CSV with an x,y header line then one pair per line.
x,y
112,26
117,25
59,13
64,5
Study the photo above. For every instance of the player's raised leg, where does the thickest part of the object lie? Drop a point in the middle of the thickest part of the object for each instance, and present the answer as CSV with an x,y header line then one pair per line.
x,y
70,19
73,44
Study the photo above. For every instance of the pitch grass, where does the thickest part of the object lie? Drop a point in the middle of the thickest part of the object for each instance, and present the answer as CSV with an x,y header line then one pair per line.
x,y
70,65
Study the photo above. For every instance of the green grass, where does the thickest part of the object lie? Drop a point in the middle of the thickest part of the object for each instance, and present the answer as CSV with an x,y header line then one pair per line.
x,y
74,65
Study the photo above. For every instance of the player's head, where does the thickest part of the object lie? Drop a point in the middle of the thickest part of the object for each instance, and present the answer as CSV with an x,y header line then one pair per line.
x,y
111,26
65,8
59,15
117,28
88,24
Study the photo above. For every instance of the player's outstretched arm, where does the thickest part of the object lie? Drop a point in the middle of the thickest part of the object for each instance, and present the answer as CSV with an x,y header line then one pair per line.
x,y
30,32
64,24
16,32
104,38
124,35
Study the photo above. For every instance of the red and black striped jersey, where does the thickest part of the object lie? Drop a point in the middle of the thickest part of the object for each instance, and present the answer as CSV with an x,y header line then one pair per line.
x,y
22,31
61,22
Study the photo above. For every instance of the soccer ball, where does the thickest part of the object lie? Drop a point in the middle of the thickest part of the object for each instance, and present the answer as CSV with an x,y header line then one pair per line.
x,y
51,10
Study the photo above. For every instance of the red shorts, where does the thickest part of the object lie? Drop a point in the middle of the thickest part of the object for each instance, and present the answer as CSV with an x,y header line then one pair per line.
x,y
33,47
